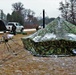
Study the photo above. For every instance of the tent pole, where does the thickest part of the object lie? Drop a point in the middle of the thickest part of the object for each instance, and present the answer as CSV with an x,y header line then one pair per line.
x,y
43,18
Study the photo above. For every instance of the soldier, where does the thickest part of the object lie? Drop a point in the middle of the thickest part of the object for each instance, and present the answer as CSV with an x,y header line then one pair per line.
x,y
14,29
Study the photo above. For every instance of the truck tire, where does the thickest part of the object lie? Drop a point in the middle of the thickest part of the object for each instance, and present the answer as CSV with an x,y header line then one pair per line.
x,y
22,29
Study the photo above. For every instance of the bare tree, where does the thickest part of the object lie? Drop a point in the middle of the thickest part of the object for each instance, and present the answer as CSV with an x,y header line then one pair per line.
x,y
18,6
64,9
68,10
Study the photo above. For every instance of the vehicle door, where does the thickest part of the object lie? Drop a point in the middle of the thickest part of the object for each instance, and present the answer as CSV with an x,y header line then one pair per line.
x,y
18,28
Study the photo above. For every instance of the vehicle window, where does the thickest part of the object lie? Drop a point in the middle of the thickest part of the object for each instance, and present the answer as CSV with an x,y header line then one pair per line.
x,y
17,24
10,24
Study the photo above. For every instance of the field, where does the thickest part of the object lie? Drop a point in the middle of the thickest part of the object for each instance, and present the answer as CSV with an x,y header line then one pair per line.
x,y
19,61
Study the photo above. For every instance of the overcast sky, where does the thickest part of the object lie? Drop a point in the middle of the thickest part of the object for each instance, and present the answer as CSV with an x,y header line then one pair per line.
x,y
50,6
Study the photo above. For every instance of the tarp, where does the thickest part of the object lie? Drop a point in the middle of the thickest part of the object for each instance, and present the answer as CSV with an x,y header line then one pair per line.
x,y
57,38
2,26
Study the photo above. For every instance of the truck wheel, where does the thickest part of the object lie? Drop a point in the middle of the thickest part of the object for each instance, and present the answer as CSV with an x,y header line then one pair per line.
x,y
22,30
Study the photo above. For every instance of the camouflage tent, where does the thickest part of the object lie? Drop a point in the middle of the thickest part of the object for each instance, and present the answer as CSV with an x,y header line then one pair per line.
x,y
58,38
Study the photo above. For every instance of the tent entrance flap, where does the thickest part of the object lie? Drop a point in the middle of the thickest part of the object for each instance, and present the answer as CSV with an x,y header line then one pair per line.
x,y
2,26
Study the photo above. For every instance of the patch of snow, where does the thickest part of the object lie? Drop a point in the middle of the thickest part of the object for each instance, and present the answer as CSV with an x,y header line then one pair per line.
x,y
1,32
72,36
48,36
74,51
9,36
29,30
36,39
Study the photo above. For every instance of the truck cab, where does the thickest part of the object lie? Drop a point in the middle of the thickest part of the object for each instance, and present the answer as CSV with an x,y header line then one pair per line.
x,y
19,27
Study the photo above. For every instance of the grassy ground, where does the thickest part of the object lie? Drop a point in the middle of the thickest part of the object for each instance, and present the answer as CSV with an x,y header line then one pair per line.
x,y
19,61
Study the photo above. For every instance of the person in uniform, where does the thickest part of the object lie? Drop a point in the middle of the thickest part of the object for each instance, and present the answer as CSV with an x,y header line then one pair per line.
x,y
14,29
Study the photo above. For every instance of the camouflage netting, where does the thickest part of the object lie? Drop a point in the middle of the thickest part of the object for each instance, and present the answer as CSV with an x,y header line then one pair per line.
x,y
57,38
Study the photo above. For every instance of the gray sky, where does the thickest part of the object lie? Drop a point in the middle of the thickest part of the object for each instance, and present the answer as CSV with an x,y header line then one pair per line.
x,y
50,6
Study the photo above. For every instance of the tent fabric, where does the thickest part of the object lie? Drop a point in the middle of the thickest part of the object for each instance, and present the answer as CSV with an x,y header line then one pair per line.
x,y
57,38
2,26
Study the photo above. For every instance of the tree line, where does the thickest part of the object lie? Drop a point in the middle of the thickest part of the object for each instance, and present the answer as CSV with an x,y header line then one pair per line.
x,y
24,16
20,14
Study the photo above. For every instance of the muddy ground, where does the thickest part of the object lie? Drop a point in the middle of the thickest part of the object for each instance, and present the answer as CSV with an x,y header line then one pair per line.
x,y
18,61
